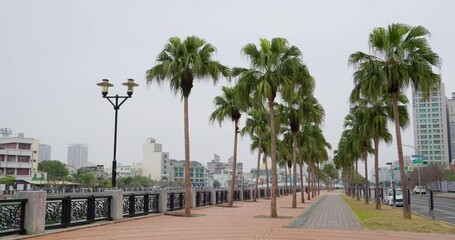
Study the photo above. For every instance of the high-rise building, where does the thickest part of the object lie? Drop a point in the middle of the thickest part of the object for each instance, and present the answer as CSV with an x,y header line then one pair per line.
x,y
451,127
155,162
77,155
44,152
430,125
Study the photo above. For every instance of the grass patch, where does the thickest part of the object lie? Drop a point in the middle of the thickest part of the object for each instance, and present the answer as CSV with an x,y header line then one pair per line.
x,y
391,219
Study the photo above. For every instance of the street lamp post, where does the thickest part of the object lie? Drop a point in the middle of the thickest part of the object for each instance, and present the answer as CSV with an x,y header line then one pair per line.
x,y
105,85
391,175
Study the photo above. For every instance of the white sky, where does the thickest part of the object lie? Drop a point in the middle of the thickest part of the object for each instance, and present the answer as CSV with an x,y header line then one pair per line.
x,y
52,54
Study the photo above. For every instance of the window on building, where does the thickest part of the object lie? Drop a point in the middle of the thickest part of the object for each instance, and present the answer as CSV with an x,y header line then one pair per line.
x,y
24,146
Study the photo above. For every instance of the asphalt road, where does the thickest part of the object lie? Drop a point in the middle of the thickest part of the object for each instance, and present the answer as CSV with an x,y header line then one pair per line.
x,y
444,208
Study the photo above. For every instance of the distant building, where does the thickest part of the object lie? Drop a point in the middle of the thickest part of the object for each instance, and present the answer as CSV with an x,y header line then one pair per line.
x,y
155,162
97,169
44,152
215,166
430,125
77,155
18,157
131,170
197,172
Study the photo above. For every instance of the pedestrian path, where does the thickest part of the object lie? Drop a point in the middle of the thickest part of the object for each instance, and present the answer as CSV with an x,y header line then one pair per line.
x,y
247,220
330,212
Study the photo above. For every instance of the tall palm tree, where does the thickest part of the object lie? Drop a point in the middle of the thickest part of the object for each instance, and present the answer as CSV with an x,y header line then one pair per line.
x,y
360,124
229,106
180,62
378,110
273,65
400,56
263,145
256,125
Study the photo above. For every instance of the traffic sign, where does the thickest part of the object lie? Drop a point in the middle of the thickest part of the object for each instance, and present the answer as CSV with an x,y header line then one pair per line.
x,y
417,161
417,156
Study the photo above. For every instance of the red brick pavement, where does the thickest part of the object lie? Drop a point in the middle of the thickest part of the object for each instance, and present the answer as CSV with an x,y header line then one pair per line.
x,y
246,220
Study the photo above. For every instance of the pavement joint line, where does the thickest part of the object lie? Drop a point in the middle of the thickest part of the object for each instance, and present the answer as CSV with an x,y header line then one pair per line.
x,y
298,223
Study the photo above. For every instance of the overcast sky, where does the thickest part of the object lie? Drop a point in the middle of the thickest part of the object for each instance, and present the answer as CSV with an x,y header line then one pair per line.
x,y
52,54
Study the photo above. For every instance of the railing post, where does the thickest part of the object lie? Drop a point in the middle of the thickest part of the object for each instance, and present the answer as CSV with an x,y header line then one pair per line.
x,y
241,195
91,209
213,196
162,201
146,203
193,195
116,203
35,211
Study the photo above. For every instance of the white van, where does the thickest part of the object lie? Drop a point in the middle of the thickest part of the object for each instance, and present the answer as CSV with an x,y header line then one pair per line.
x,y
388,198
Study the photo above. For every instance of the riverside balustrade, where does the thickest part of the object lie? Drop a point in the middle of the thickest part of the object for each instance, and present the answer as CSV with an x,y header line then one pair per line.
x,y
33,212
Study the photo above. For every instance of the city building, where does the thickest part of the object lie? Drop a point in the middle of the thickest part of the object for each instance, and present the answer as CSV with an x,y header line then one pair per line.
x,y
131,170
18,157
97,169
77,155
430,125
451,127
155,162
44,152
215,166
197,172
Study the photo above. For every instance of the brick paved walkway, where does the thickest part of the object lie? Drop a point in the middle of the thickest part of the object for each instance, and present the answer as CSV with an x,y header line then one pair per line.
x,y
247,220
331,212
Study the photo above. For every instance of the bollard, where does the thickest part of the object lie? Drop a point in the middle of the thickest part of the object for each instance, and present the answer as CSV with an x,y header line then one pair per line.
x,y
431,207
394,198
409,196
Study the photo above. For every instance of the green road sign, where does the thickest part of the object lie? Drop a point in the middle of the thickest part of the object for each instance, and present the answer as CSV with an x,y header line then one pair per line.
x,y
417,161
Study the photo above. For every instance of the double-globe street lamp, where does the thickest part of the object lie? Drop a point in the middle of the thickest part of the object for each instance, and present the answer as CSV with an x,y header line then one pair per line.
x,y
105,85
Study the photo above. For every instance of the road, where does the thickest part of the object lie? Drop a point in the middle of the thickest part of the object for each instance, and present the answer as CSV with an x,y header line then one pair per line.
x,y
444,208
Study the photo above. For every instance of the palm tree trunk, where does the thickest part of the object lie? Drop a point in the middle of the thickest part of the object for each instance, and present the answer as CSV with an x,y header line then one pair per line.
x,y
258,170
313,182
319,186
187,158
404,182
273,210
309,181
376,171
346,182
302,188
267,191
286,176
365,156
357,194
294,170
234,164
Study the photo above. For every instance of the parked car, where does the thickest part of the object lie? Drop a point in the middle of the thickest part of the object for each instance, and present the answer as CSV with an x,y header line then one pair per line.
x,y
419,190
388,198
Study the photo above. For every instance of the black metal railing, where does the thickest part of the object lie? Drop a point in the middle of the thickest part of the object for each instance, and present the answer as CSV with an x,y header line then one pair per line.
x,y
12,216
68,211
246,194
203,198
140,204
220,197
175,201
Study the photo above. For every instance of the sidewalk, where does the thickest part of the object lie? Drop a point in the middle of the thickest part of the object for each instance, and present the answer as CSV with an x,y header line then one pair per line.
x,y
246,220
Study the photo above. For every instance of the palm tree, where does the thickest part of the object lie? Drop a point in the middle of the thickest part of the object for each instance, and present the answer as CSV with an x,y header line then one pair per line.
x,y
256,125
179,63
378,110
273,65
401,56
229,106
